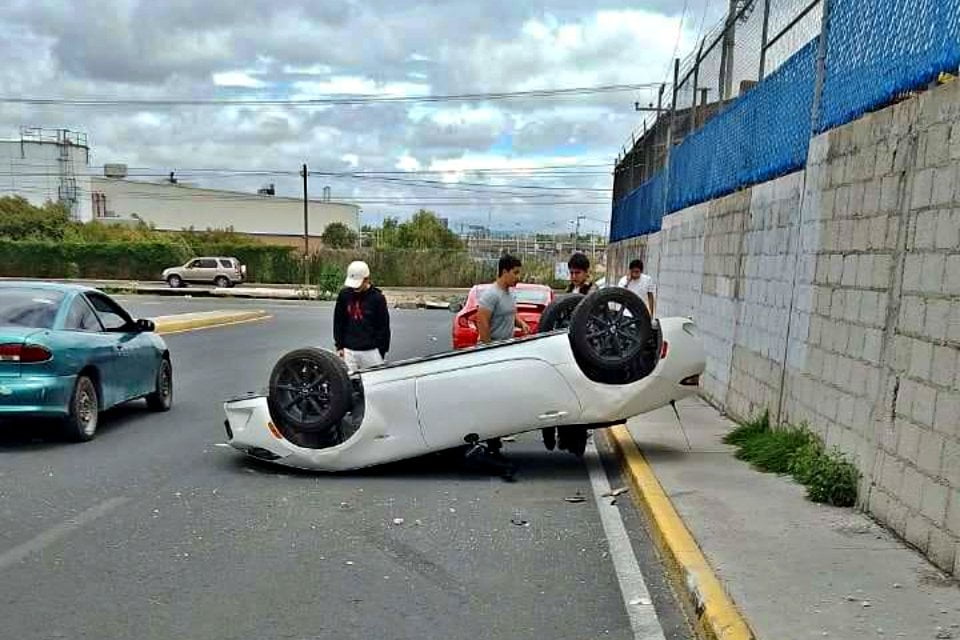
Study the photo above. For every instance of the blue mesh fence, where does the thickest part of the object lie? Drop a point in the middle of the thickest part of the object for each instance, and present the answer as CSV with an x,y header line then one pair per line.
x,y
879,48
639,212
875,50
764,134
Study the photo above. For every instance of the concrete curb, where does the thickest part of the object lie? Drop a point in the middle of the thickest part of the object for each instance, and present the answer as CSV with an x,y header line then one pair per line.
x,y
205,320
715,615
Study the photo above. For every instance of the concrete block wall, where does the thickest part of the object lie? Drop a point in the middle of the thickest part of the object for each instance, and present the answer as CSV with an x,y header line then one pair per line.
x,y
843,282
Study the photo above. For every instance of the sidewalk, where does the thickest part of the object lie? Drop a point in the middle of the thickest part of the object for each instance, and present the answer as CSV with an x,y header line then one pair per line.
x,y
794,569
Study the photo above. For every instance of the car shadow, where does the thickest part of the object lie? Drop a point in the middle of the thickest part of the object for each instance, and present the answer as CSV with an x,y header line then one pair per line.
x,y
43,434
530,464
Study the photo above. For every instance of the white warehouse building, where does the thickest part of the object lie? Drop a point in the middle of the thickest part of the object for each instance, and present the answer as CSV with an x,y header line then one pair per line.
x,y
48,165
170,206
54,165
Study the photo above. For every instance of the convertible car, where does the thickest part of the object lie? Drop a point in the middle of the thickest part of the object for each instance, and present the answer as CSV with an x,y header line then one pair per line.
x,y
596,361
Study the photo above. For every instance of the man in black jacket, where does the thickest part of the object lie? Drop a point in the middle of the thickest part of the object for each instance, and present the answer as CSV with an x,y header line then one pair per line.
x,y
361,322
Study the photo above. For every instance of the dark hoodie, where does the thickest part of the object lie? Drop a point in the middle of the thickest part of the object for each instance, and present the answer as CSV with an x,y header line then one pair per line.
x,y
361,321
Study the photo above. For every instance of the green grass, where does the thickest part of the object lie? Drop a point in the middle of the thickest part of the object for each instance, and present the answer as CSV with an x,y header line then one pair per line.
x,y
828,476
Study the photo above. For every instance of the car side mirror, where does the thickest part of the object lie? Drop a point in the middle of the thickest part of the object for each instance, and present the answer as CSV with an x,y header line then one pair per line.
x,y
456,307
145,326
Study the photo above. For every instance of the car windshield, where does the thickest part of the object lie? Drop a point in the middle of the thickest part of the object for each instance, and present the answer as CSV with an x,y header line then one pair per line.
x,y
523,296
32,308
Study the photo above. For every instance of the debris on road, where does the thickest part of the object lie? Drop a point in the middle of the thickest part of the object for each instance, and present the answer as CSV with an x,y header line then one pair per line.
x,y
520,522
398,521
641,602
613,493
576,499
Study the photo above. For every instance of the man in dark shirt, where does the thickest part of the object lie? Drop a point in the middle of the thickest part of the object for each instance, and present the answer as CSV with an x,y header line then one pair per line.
x,y
361,322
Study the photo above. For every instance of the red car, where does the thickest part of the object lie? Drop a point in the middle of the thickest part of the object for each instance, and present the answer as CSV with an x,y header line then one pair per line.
x,y
531,299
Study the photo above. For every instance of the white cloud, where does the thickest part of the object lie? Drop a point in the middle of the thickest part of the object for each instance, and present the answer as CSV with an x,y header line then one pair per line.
x,y
237,79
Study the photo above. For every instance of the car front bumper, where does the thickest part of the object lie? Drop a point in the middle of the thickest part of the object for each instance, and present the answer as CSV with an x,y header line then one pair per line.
x,y
36,396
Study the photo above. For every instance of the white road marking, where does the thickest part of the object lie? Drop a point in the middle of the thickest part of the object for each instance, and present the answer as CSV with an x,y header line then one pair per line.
x,y
54,533
633,588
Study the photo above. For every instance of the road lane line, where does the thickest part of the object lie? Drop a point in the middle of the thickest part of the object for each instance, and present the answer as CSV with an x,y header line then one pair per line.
x,y
54,533
633,587
231,323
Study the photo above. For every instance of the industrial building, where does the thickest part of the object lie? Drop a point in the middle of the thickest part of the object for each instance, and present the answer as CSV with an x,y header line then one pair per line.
x,y
48,165
54,165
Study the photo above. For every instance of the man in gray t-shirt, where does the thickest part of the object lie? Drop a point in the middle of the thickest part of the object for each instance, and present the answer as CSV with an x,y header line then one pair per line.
x,y
497,312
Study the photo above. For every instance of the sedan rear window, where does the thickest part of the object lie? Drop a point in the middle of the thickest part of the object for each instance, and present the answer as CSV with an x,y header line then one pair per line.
x,y
32,308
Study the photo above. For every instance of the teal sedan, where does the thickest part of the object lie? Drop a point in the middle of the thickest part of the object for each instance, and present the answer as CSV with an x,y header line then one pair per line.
x,y
69,352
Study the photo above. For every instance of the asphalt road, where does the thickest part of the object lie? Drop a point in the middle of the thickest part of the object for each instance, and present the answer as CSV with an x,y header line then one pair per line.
x,y
154,531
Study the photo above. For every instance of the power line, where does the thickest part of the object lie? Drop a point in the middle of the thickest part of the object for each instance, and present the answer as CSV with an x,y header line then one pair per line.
x,y
327,100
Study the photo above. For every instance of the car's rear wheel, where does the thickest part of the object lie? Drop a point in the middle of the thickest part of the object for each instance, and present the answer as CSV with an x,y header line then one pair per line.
x,y
222,282
162,397
558,313
80,425
310,391
610,329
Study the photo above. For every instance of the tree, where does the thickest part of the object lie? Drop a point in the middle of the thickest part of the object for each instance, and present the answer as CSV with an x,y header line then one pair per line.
x,y
20,220
425,231
339,236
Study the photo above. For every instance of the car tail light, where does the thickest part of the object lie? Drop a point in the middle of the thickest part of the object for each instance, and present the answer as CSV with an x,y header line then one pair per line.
x,y
691,381
663,349
24,353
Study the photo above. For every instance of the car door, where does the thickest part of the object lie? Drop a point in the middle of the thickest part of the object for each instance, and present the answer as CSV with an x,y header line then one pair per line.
x,y
206,270
87,343
499,396
137,357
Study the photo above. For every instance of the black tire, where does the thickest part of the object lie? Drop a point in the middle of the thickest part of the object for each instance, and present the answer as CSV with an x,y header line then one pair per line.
x,y
558,313
80,425
162,397
222,282
310,391
175,281
603,337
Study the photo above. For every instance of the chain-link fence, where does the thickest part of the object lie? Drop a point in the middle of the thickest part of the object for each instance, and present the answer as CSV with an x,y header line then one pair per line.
x,y
745,102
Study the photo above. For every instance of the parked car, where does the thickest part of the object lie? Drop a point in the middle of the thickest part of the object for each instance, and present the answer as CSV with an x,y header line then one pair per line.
x,y
612,363
69,352
223,272
531,300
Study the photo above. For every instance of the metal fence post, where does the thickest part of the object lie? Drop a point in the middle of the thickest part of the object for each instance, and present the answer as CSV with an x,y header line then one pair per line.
x,y
670,126
696,84
763,39
821,69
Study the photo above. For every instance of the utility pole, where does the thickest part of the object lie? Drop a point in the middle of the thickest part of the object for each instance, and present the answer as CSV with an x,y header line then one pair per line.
x,y
576,237
306,229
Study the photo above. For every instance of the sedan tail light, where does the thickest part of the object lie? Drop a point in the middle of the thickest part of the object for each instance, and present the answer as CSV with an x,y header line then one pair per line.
x,y
663,349
24,353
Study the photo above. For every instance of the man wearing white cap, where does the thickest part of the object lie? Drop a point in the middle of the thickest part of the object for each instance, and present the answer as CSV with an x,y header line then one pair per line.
x,y
361,322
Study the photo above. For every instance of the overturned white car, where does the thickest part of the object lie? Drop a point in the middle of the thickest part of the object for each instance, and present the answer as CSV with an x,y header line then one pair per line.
x,y
597,361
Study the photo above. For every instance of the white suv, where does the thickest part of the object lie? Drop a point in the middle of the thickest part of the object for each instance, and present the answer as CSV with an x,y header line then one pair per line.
x,y
223,272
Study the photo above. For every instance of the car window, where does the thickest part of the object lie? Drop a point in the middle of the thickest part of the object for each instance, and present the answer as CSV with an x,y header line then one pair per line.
x,y
226,264
33,308
207,264
193,264
81,317
531,296
109,312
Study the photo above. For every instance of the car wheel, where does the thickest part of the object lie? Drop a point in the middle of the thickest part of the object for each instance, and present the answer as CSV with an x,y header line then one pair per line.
x,y
162,397
81,422
310,391
175,281
610,329
222,282
558,313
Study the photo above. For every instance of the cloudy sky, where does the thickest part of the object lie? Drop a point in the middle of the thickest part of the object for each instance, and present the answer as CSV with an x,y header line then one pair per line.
x,y
303,49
